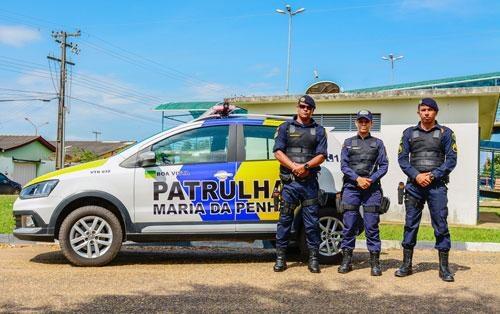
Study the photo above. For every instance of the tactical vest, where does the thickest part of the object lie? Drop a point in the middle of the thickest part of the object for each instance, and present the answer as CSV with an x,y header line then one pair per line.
x,y
426,151
363,156
301,144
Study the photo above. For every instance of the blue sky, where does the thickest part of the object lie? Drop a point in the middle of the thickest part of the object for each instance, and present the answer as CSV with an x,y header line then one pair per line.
x,y
137,54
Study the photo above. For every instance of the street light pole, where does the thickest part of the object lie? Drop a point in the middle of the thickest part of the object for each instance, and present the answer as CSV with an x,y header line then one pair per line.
x,y
290,14
392,59
35,126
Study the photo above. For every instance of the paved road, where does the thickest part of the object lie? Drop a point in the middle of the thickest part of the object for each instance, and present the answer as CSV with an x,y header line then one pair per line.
x,y
174,279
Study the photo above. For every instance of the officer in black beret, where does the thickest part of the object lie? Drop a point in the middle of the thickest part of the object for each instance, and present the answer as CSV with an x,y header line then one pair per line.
x,y
427,155
300,147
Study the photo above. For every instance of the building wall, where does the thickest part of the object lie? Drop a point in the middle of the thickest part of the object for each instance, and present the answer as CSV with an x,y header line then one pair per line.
x,y
33,151
460,114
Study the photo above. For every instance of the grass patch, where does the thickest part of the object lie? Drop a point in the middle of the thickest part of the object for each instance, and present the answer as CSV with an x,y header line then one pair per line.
x,y
7,222
387,231
495,210
426,233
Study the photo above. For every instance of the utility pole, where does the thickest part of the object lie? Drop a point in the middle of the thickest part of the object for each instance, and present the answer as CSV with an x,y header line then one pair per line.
x,y
97,133
61,38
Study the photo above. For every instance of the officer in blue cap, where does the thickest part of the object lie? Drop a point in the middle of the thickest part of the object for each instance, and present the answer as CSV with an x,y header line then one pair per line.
x,y
427,155
300,147
363,162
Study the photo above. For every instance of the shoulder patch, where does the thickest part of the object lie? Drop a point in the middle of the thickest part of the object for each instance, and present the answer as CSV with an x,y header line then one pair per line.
x,y
400,149
454,142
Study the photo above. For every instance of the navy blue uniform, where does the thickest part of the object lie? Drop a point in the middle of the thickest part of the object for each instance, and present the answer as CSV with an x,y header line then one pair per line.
x,y
298,191
353,196
434,194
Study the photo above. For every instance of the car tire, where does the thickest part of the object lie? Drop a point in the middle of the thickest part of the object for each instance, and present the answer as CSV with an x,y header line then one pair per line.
x,y
329,252
90,236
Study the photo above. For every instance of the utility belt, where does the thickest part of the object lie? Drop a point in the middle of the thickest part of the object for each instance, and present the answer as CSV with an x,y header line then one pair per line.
x,y
287,178
443,180
286,208
382,209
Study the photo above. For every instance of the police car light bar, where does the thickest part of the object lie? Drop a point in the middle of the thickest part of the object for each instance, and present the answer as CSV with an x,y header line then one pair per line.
x,y
222,109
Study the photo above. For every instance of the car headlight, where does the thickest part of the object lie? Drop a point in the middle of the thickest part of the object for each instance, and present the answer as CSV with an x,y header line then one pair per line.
x,y
41,189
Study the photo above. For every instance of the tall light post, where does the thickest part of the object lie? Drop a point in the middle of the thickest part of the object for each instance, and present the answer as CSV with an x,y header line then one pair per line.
x,y
392,58
290,13
35,126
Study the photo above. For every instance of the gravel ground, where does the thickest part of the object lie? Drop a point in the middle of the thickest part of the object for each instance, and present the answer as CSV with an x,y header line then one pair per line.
x,y
176,279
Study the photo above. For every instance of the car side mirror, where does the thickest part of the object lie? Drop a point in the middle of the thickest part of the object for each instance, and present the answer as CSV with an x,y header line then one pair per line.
x,y
147,159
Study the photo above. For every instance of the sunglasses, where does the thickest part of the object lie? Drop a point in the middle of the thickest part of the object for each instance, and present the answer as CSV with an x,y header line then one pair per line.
x,y
305,107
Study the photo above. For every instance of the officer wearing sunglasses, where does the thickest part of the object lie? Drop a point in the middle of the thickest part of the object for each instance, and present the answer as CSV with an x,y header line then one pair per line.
x,y
300,147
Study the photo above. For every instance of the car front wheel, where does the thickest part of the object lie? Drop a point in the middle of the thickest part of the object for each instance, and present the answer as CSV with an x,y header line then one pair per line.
x,y
90,236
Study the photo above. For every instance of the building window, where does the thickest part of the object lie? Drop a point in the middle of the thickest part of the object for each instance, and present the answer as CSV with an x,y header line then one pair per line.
x,y
344,122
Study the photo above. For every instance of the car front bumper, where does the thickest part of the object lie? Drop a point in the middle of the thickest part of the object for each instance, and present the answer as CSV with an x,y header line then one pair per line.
x,y
30,227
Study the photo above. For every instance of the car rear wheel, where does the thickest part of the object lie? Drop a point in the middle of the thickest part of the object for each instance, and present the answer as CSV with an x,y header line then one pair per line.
x,y
90,236
330,228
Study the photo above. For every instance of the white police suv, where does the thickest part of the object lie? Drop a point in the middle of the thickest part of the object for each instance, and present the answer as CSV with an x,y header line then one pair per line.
x,y
210,179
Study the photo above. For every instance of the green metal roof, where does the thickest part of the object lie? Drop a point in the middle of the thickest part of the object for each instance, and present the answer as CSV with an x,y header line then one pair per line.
x,y
187,106
487,79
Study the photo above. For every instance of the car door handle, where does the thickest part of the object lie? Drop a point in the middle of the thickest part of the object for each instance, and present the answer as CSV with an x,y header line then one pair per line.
x,y
222,175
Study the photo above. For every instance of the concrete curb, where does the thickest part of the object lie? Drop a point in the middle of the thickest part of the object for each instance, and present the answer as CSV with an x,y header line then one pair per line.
x,y
258,244
426,245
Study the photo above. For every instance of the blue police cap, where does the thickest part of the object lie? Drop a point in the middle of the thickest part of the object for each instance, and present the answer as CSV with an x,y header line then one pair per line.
x,y
429,102
365,114
307,100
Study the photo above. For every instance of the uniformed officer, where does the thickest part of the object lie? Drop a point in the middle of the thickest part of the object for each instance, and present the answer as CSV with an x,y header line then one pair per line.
x,y
363,162
300,147
427,154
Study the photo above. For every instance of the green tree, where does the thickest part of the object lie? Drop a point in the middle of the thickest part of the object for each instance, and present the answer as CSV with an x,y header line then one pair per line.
x,y
486,171
84,155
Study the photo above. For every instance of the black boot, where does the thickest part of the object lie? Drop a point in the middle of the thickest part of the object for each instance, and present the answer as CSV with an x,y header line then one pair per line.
x,y
405,269
444,271
280,264
313,261
375,264
346,265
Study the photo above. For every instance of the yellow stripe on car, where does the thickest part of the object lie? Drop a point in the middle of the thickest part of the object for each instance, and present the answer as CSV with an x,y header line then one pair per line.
x,y
265,170
85,166
272,122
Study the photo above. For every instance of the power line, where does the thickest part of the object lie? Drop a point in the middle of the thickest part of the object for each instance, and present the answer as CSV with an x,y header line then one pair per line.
x,y
25,91
26,99
51,75
90,79
94,84
114,110
182,74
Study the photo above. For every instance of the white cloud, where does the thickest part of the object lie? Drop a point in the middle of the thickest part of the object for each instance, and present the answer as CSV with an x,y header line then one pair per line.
x,y
274,71
18,36
210,91
456,6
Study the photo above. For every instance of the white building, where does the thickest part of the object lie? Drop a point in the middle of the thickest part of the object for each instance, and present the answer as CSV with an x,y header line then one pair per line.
x,y
469,112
